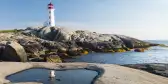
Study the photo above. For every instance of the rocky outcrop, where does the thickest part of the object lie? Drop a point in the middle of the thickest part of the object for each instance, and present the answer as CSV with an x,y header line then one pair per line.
x,y
67,43
132,42
14,52
88,40
159,69
50,33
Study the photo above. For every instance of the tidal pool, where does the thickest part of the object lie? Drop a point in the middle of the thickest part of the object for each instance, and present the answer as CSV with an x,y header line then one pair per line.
x,y
77,76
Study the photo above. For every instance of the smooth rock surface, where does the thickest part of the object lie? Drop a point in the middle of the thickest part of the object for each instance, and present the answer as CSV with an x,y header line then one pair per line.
x,y
111,74
156,68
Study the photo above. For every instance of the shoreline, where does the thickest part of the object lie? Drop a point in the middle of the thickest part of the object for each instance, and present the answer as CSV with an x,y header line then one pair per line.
x,y
154,68
51,44
110,73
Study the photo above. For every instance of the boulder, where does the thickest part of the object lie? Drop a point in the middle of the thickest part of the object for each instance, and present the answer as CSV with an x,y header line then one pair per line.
x,y
14,52
32,47
55,34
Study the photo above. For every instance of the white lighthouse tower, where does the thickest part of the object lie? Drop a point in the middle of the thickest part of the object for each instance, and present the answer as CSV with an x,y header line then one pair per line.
x,y
51,14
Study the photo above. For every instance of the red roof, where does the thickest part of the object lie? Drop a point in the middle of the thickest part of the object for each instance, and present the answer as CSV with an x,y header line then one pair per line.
x,y
50,6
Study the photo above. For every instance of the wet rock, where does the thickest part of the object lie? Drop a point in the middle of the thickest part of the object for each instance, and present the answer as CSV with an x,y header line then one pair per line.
x,y
139,50
53,58
14,52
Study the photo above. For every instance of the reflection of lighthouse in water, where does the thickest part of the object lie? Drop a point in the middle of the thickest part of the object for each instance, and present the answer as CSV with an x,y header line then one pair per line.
x,y
51,14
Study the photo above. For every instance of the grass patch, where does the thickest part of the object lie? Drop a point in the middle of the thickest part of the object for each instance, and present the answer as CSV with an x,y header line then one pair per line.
x,y
9,31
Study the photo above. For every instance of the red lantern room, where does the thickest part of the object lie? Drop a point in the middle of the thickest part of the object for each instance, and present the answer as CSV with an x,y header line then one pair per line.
x,y
50,6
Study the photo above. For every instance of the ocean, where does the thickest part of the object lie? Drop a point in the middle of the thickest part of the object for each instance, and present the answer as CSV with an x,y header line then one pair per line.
x,y
153,55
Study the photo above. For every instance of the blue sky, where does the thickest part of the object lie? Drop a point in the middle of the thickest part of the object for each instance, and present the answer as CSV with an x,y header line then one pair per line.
x,y
142,19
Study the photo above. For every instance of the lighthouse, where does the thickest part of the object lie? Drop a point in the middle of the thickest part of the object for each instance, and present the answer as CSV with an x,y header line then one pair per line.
x,y
51,14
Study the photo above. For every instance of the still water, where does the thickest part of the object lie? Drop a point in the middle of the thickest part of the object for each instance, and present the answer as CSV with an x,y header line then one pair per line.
x,y
153,55
79,76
